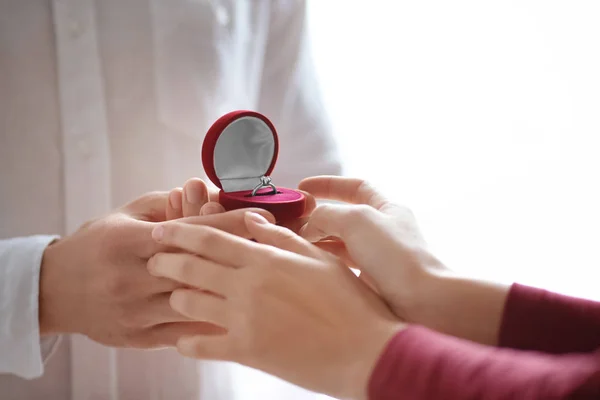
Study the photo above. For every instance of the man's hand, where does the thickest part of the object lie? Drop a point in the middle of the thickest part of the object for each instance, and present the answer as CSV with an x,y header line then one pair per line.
x,y
95,281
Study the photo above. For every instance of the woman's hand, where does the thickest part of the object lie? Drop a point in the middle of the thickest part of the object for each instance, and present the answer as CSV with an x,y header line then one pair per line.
x,y
383,240
371,234
289,308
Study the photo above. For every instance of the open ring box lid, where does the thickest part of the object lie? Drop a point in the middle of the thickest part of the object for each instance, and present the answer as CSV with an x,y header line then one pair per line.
x,y
239,149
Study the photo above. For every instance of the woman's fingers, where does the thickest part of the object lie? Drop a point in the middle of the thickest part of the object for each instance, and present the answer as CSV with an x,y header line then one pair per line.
x,y
264,232
200,306
348,190
231,221
338,220
195,195
191,270
210,243
353,191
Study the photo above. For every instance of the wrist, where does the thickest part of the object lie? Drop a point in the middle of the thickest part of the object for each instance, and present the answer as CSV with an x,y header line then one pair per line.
x,y
412,295
52,293
368,354
460,306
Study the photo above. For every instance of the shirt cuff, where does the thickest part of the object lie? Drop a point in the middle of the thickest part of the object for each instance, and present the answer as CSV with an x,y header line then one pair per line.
x,y
20,342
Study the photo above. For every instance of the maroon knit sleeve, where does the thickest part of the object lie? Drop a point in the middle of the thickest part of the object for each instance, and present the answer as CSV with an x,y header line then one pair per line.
x,y
422,364
536,319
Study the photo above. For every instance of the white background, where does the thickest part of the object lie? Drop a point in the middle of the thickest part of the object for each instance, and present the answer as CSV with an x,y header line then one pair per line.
x,y
484,118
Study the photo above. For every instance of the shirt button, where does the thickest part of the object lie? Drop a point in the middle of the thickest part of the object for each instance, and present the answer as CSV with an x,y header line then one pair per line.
x,y
222,15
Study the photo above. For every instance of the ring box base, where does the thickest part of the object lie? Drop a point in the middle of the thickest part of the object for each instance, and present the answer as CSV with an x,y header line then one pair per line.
x,y
287,204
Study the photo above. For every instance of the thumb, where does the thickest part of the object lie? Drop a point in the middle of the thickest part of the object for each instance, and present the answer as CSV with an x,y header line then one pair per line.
x,y
347,190
151,207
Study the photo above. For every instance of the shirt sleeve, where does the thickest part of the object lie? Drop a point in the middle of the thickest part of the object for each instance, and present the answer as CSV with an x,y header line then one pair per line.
x,y
21,351
290,96
536,319
422,364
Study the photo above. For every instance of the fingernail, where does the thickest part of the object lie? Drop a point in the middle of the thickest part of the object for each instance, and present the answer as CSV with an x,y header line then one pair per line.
x,y
174,200
158,232
256,218
193,196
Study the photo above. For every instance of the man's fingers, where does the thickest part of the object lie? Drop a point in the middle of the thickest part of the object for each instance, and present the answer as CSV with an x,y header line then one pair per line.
x,y
264,232
195,195
174,205
211,208
348,190
213,194
155,285
157,310
149,207
137,238
209,243
167,335
194,271
200,306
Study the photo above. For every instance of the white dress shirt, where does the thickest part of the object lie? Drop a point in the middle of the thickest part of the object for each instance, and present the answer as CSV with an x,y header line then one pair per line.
x,y
101,101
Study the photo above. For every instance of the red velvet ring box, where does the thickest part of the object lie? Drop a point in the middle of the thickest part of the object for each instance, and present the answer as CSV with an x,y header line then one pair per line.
x,y
239,152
